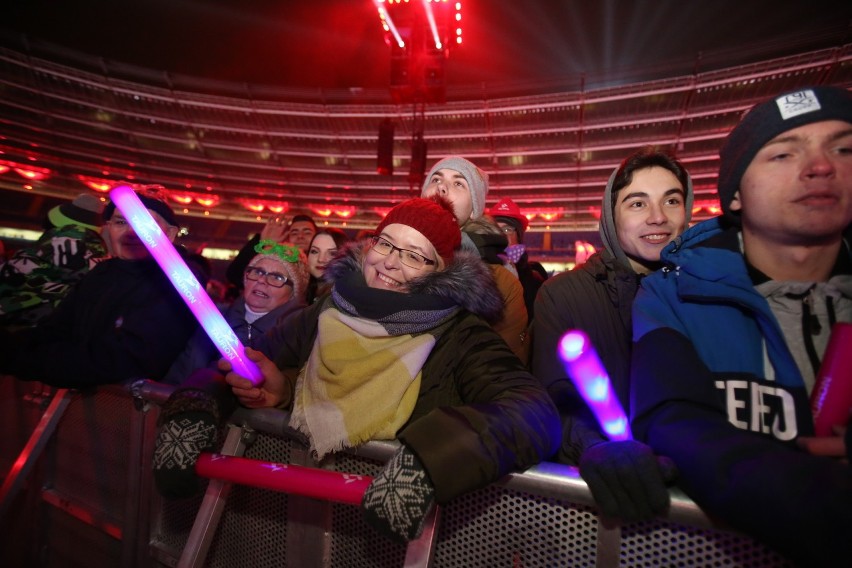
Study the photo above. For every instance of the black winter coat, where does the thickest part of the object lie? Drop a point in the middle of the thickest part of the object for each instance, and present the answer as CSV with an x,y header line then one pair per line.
x,y
480,414
123,321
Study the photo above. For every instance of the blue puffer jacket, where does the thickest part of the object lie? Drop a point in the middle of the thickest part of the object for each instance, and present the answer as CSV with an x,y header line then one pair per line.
x,y
699,395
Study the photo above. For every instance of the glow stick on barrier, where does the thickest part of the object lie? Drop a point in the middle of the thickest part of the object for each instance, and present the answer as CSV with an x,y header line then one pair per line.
x,y
831,399
589,376
322,484
184,281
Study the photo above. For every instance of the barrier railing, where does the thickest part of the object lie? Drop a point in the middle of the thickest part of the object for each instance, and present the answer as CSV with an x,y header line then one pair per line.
x,y
95,501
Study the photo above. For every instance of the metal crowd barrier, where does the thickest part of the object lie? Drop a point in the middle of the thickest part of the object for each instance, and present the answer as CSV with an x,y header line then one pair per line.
x,y
77,491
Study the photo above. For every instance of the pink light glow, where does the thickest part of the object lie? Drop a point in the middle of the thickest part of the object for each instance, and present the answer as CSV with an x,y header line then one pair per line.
x,y
586,371
184,281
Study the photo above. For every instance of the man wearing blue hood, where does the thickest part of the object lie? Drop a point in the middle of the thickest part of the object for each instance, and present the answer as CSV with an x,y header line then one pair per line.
x,y
731,332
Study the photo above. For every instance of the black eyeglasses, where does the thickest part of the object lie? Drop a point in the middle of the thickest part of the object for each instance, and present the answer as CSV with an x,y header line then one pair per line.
x,y
274,279
409,258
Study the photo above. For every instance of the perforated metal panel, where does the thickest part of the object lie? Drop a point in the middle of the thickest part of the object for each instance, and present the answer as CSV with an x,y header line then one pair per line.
x,y
494,527
253,531
91,452
656,544
499,527
173,523
353,542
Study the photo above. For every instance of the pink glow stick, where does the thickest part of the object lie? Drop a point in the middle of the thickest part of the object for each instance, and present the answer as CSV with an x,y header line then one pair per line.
x,y
287,478
831,398
185,282
588,374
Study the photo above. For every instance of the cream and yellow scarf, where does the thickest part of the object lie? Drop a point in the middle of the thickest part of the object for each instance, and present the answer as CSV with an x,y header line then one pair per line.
x,y
362,378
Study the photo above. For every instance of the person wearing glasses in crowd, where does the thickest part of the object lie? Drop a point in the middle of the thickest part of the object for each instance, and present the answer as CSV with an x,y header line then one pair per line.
x,y
402,349
274,287
507,215
297,231
124,320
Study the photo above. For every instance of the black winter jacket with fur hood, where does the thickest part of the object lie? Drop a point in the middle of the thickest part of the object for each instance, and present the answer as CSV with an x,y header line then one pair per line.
x,y
479,414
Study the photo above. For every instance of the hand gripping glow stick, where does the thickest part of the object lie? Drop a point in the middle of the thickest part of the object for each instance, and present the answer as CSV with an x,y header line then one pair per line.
x,y
287,478
831,399
185,282
589,376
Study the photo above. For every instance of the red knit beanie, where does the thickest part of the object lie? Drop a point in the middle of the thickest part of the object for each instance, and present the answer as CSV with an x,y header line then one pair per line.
x,y
433,218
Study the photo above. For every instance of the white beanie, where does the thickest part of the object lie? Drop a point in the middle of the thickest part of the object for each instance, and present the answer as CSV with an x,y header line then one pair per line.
x,y
477,181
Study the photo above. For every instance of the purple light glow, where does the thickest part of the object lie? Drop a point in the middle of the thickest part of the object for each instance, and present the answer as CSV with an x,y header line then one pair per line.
x,y
185,282
586,371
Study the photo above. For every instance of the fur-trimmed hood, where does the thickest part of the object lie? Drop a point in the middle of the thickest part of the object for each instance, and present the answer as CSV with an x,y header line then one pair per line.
x,y
467,281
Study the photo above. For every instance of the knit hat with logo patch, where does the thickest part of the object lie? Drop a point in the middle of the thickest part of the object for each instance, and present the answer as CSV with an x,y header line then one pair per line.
x,y
766,121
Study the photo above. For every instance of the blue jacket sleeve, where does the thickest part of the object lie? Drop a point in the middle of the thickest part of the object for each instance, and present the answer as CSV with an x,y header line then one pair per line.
x,y
799,504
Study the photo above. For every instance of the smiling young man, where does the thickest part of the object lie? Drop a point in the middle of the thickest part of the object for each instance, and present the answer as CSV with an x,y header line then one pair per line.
x,y
646,204
731,332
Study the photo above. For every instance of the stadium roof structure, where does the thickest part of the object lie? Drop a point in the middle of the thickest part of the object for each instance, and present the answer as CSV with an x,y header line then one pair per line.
x,y
169,93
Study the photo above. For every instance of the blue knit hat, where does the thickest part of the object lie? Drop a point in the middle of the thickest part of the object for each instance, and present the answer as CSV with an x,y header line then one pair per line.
x,y
766,121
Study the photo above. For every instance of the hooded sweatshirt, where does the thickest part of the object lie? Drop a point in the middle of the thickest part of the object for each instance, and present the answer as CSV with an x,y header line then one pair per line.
x,y
597,298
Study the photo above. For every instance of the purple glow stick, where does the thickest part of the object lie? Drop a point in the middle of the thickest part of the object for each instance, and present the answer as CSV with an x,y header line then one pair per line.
x,y
586,371
185,282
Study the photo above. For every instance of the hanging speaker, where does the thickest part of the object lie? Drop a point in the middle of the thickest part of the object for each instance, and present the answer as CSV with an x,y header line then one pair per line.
x,y
417,167
384,155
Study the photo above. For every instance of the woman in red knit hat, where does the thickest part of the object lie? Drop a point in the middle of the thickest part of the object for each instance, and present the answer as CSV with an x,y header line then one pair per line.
x,y
402,349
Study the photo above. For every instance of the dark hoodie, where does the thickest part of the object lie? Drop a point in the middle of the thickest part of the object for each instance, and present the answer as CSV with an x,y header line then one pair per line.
x,y
597,298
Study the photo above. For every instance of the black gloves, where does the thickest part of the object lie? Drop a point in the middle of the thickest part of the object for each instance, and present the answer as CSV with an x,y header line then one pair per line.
x,y
188,425
397,500
627,480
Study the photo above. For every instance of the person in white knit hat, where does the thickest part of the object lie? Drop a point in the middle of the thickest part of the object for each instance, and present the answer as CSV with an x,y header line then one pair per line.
x,y
465,187
461,183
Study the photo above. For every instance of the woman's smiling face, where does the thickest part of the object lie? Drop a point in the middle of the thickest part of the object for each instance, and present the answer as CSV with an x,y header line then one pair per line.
x,y
387,271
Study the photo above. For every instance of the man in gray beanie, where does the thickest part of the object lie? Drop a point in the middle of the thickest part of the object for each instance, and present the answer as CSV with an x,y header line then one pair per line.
x,y
729,336
461,183
465,186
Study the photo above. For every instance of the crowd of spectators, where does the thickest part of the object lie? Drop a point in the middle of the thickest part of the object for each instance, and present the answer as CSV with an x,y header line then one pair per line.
x,y
436,329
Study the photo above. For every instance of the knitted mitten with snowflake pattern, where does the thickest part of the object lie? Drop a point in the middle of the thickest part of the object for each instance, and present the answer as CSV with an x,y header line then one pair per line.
x,y
188,425
400,496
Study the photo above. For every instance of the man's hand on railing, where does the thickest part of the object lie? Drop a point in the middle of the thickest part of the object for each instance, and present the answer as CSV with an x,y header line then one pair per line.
x,y
400,496
627,480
